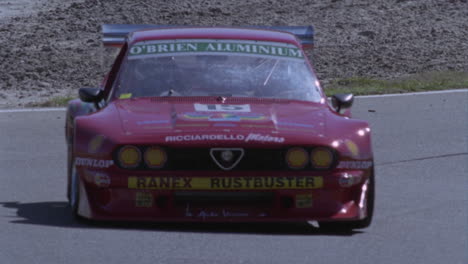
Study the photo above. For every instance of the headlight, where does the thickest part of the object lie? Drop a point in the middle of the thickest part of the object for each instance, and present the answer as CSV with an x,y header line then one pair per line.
x,y
296,158
129,156
155,157
321,158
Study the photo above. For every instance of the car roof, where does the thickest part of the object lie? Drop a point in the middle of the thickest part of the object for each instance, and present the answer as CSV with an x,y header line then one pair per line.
x,y
213,33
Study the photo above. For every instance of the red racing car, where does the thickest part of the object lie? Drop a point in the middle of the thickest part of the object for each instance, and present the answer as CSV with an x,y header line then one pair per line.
x,y
217,124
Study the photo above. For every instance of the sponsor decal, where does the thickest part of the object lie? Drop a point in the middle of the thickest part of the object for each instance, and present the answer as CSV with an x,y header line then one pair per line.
x,y
221,108
304,200
360,165
207,214
268,49
143,199
93,163
204,214
263,138
125,96
224,117
101,180
204,138
225,183
227,213
250,137
95,144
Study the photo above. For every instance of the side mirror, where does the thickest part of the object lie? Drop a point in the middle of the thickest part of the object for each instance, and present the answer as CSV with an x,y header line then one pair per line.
x,y
342,101
91,95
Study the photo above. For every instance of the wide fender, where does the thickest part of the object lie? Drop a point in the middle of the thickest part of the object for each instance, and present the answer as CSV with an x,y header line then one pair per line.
x,y
350,137
95,133
76,108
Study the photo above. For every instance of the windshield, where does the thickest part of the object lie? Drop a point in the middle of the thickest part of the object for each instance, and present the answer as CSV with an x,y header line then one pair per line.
x,y
241,69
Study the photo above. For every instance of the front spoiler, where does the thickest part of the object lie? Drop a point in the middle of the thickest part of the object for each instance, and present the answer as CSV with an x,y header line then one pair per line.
x,y
330,203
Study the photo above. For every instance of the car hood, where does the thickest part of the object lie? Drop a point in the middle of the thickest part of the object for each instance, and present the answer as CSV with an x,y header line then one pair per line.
x,y
172,115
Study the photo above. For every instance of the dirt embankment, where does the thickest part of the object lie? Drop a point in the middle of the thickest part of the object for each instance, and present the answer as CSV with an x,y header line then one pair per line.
x,y
55,48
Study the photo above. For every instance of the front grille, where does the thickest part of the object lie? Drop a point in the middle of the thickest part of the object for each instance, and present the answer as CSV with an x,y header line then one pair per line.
x,y
200,159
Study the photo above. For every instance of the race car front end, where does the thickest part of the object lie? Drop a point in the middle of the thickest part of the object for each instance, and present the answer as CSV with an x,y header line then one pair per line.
x,y
225,184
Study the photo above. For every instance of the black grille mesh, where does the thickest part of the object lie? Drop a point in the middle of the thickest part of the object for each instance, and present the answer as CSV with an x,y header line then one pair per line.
x,y
200,159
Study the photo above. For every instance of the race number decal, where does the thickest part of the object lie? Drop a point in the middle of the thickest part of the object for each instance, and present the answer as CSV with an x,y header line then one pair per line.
x,y
222,108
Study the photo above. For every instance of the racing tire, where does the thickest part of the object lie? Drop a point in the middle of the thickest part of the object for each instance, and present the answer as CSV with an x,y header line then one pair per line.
x,y
358,224
74,200
69,173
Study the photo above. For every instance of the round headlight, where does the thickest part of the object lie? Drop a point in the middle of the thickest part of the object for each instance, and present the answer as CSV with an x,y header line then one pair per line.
x,y
129,156
321,158
155,157
296,158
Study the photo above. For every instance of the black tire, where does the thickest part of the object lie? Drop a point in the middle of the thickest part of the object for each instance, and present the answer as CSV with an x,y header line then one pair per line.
x,y
358,224
69,172
74,194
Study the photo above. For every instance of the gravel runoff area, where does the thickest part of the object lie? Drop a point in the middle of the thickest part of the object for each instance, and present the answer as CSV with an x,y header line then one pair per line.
x,y
51,48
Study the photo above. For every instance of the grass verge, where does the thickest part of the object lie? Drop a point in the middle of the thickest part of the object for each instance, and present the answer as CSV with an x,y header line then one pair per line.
x,y
416,83
58,101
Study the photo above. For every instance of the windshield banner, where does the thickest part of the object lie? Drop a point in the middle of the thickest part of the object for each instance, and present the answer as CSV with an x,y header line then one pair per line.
x,y
198,47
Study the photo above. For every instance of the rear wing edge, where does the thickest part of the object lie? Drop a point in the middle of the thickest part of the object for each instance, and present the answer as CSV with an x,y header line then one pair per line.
x,y
116,34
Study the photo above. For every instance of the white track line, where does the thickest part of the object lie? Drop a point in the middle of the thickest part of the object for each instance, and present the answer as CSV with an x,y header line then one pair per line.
x,y
50,109
415,93
19,110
